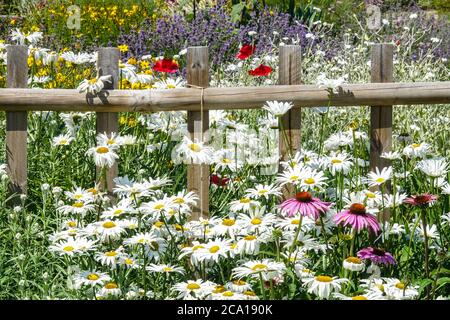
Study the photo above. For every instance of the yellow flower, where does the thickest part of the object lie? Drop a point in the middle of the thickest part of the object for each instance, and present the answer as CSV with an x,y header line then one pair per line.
x,y
13,22
132,122
123,48
35,29
144,64
132,61
122,120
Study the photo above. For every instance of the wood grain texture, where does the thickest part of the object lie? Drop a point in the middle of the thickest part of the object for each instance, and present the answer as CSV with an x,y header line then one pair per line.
x,y
16,124
107,122
289,142
381,116
379,94
198,124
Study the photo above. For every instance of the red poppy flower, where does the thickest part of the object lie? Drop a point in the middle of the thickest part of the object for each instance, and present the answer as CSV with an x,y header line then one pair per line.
x,y
215,179
397,42
166,65
262,70
245,52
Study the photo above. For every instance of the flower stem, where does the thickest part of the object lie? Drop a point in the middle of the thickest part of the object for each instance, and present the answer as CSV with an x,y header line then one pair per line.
x,y
425,237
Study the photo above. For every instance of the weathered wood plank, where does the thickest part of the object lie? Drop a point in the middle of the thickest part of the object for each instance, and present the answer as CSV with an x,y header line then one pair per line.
x,y
289,73
381,116
107,122
16,123
198,124
380,94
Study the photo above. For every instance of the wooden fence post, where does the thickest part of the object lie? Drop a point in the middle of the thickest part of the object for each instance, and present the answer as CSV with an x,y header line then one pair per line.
x,y
198,124
381,116
107,122
289,73
16,123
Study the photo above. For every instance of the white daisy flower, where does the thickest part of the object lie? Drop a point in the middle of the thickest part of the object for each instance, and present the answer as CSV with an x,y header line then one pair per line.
x,y
323,286
276,108
104,156
94,85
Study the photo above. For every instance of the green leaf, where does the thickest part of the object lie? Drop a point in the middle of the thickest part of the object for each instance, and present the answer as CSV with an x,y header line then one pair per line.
x,y
442,282
236,11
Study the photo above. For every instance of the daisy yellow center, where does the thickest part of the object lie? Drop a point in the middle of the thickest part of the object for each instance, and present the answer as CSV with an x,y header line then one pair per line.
x,y
233,246
128,261
359,298
92,190
310,181
294,178
72,224
63,141
179,200
68,248
244,200
197,247
78,204
93,276
194,147
226,160
111,254
336,161
400,285
228,294
159,206
370,195
380,180
102,150
109,225
111,141
249,238
353,260
256,221
295,222
259,266
78,196
92,81
250,293
118,211
415,145
324,278
239,282
170,86
111,285
193,286
214,249
167,269
219,289
158,224
228,222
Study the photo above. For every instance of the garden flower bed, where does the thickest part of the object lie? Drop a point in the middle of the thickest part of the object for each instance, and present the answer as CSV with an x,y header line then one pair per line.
x,y
118,213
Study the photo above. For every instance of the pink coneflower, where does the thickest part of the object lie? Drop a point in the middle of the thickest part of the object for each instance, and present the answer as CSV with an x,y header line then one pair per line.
x,y
358,218
306,205
377,256
421,200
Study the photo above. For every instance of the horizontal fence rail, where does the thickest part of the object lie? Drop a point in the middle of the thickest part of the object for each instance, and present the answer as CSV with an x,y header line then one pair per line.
x,y
197,100
227,98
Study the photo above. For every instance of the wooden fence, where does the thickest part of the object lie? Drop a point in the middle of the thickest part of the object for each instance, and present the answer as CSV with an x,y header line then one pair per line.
x,y
198,99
